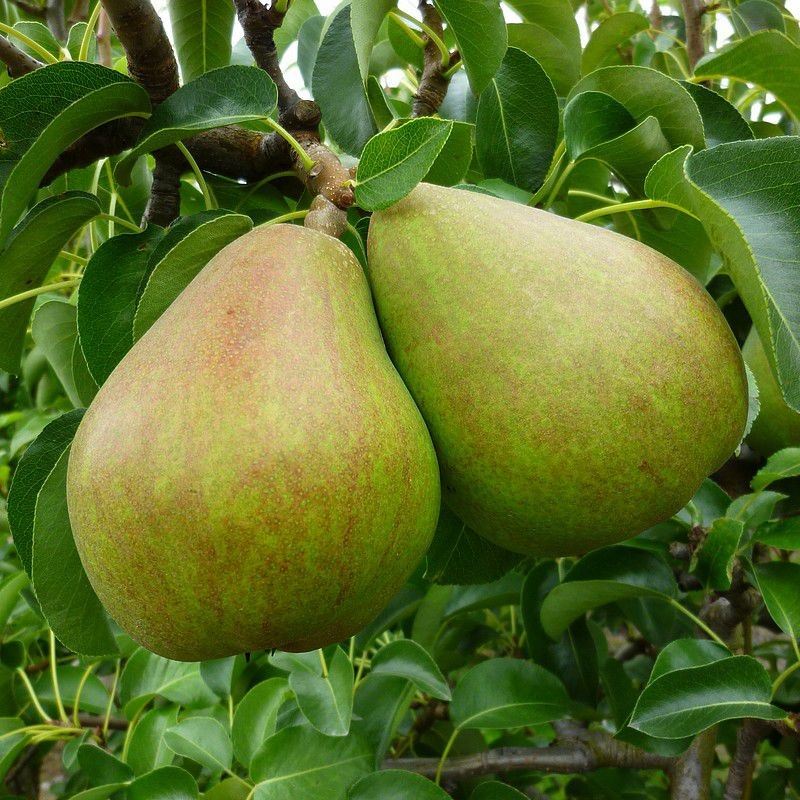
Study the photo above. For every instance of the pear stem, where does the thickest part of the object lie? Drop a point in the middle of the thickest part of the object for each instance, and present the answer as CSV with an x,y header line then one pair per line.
x,y
634,205
697,621
292,215
780,680
412,34
120,221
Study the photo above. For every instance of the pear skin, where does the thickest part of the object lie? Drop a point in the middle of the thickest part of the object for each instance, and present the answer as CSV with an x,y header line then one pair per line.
x,y
776,426
578,386
254,474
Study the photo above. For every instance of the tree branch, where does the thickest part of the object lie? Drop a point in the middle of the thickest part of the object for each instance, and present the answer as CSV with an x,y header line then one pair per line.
x,y
577,750
691,775
693,11
164,203
751,732
259,23
17,61
433,83
54,16
151,59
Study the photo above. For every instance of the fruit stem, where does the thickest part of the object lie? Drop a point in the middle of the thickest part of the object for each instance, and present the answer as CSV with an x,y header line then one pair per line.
x,y
634,205
559,185
50,287
292,215
199,177
428,31
91,24
76,707
305,158
593,196
46,55
112,692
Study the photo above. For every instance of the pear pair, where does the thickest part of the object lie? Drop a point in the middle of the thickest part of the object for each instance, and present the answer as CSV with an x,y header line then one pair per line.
x,y
255,473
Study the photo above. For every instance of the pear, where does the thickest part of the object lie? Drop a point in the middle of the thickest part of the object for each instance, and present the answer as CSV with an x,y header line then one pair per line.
x,y
776,426
578,386
254,473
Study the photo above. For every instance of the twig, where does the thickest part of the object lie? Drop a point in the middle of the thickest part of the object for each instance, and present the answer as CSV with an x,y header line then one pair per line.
x,y
96,721
54,16
691,776
151,59
17,61
578,751
693,11
259,23
164,203
751,732
434,81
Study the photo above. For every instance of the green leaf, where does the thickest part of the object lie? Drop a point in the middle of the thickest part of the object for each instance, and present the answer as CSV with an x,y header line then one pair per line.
x,y
93,696
754,60
327,701
551,35
75,40
603,48
493,790
647,93
685,653
308,41
480,31
395,784
781,533
713,562
167,783
147,749
381,703
459,556
231,789
54,328
300,11
10,590
592,119
147,675
452,163
778,583
602,577
781,465
754,226
65,595
69,99
40,34
394,162
102,767
339,89
405,658
366,19
256,717
517,122
687,701
301,762
225,96
27,257
99,792
11,745
35,465
757,15
508,693
722,121
548,49
202,739
107,299
219,674
464,599
188,245
202,31
574,656
755,509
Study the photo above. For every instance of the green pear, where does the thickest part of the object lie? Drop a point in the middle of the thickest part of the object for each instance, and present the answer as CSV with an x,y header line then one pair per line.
x,y
254,473
578,386
776,426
